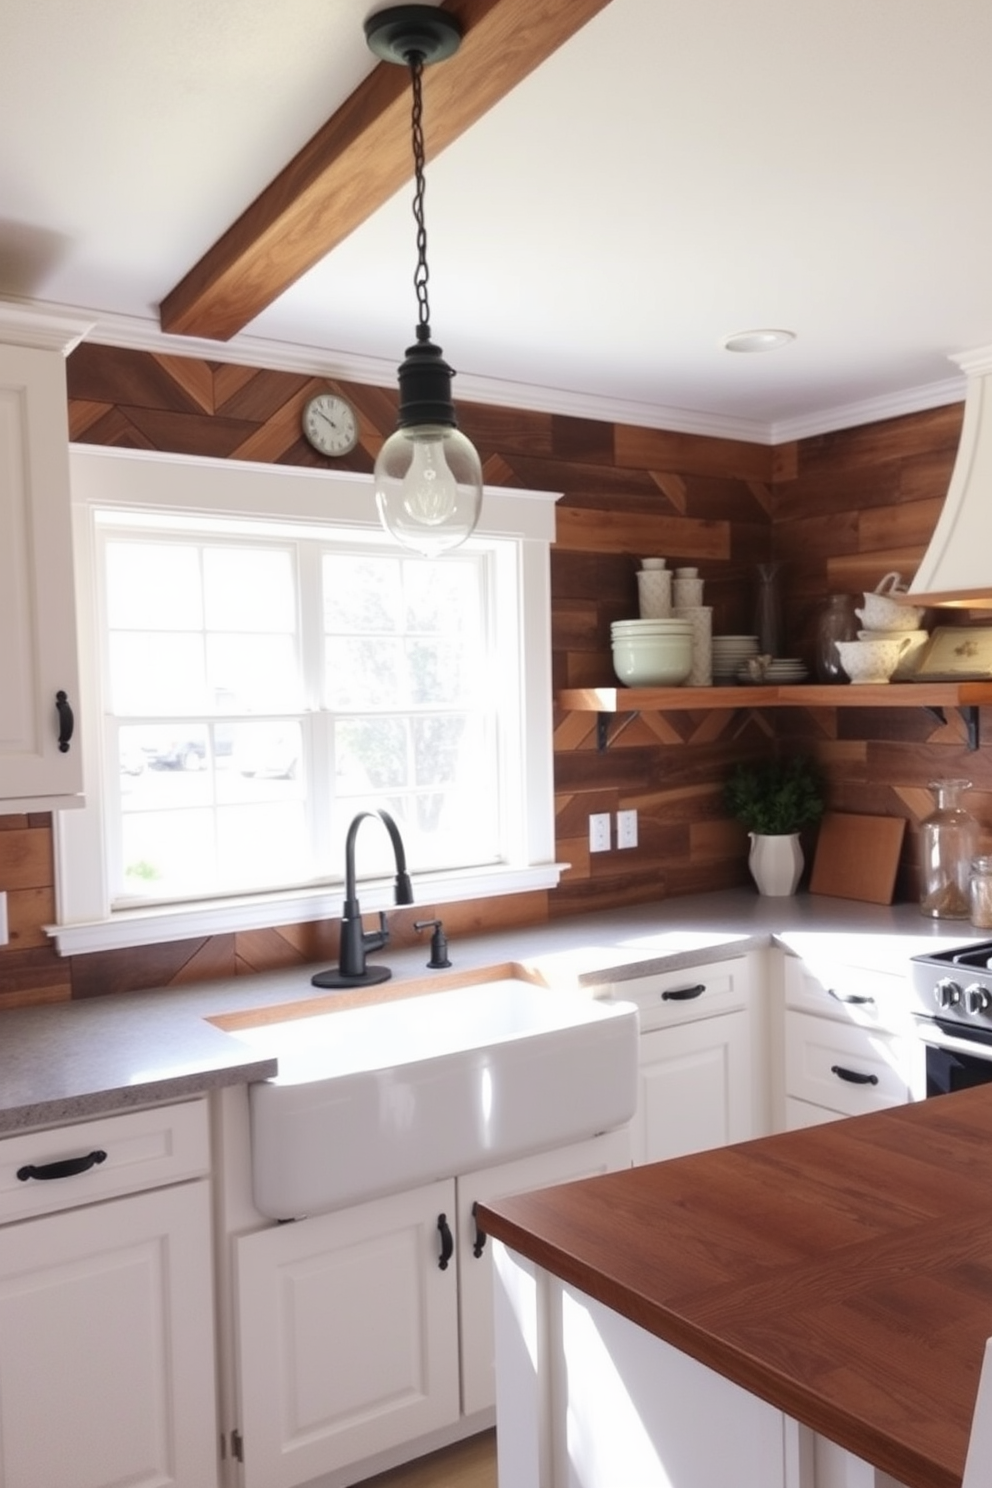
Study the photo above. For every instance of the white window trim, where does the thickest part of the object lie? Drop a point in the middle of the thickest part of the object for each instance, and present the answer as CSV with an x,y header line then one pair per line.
x,y
107,477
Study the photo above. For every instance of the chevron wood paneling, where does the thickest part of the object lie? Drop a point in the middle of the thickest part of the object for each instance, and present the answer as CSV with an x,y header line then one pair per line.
x,y
840,510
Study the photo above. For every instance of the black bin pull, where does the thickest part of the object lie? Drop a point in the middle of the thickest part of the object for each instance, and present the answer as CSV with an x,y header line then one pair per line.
x,y
853,1077
684,994
447,1242
66,721
68,1167
852,999
479,1244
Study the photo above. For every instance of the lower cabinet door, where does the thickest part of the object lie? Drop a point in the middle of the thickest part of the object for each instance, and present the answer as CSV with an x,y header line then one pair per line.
x,y
694,1088
106,1345
603,1154
348,1335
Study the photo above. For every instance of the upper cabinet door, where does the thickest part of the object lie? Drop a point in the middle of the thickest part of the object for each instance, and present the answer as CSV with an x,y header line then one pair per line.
x,y
40,768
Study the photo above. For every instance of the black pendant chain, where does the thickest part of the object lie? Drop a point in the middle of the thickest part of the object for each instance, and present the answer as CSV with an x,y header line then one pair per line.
x,y
422,274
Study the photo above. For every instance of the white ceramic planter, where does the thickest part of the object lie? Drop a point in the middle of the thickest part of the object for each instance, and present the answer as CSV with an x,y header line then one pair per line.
x,y
776,864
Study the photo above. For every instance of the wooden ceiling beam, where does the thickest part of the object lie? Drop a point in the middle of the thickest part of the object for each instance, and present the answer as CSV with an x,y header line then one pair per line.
x,y
360,158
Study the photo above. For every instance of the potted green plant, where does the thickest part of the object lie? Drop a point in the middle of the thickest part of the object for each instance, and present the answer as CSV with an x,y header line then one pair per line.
x,y
775,799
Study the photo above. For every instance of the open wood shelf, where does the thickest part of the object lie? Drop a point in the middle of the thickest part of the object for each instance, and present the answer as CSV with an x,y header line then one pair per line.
x,y
934,696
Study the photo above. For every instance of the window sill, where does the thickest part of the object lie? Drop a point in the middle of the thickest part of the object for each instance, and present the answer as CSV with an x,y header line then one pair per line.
x,y
154,925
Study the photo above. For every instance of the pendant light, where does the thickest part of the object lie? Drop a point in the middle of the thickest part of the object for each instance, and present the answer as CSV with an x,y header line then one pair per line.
x,y
428,477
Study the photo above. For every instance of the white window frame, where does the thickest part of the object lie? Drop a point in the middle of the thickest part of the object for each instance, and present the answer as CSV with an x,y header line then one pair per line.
x,y
107,478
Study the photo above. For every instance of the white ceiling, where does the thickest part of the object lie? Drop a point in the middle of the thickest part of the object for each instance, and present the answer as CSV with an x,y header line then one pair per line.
x,y
680,170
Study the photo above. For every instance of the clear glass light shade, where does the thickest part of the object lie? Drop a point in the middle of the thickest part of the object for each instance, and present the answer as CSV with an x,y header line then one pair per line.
x,y
428,487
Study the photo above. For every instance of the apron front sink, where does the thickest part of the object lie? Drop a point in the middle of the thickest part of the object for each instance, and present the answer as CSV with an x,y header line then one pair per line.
x,y
375,1099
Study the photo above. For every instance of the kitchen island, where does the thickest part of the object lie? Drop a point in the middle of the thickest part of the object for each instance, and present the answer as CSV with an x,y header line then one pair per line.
x,y
842,1275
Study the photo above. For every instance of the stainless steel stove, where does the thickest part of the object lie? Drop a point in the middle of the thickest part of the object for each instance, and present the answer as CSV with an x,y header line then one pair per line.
x,y
952,995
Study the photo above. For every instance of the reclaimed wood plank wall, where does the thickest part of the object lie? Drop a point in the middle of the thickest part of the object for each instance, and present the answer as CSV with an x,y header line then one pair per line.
x,y
841,509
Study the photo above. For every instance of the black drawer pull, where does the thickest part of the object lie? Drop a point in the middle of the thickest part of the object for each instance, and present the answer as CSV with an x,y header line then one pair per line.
x,y
66,721
853,999
479,1244
447,1242
853,1077
684,994
67,1168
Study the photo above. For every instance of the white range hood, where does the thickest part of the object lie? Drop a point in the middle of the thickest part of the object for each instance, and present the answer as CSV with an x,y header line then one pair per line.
x,y
956,571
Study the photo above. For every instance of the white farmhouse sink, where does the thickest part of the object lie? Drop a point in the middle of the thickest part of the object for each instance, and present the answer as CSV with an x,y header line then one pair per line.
x,y
371,1100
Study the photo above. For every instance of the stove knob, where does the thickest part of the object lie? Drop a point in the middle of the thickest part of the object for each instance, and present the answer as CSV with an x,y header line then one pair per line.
x,y
946,994
977,999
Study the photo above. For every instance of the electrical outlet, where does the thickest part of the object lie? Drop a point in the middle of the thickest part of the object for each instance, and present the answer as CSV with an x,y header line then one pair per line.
x,y
626,829
599,832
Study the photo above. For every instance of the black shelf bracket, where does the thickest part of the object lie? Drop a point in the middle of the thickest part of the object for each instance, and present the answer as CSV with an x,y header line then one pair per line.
x,y
603,740
969,714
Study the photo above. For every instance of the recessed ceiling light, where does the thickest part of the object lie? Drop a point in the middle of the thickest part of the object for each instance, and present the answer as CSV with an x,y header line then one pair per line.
x,y
759,340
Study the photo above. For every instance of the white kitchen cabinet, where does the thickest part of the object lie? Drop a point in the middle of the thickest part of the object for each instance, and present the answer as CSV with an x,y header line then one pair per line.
x,y
106,1305
40,769
695,1070
849,1043
347,1335
353,1339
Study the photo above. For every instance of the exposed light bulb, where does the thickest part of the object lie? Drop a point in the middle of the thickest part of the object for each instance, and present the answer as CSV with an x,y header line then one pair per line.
x,y
428,487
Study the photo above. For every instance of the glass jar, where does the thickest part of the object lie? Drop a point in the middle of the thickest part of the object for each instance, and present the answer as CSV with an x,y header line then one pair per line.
x,y
948,839
981,894
837,622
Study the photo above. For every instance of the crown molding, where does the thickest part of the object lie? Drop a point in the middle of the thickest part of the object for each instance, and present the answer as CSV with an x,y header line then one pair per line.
x,y
139,334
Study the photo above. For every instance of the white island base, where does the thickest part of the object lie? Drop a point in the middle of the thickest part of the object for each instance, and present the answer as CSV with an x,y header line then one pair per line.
x,y
588,1399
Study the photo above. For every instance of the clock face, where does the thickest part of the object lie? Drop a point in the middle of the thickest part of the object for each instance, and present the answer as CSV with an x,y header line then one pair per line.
x,y
330,424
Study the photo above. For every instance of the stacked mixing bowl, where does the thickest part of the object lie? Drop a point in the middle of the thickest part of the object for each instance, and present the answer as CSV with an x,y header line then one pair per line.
x,y
652,653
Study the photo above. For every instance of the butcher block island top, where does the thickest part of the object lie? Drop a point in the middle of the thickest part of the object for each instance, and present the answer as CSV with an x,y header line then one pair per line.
x,y
842,1273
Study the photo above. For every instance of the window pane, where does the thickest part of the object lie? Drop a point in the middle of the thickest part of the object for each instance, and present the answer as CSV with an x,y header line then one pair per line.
x,y
153,586
249,589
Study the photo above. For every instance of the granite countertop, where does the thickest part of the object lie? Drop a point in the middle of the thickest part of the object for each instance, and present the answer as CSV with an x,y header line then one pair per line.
x,y
74,1060
842,1273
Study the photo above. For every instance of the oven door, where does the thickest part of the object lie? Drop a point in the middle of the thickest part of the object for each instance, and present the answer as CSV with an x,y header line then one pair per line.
x,y
956,1058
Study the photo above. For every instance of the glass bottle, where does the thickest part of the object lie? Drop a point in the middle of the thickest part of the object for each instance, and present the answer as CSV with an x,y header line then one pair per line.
x,y
837,622
768,610
948,839
980,909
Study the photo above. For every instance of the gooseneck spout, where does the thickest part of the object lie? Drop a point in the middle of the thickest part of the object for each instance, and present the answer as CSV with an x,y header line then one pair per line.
x,y
352,970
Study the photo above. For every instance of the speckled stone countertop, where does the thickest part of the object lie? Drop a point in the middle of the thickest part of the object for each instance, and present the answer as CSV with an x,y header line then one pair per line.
x,y
75,1060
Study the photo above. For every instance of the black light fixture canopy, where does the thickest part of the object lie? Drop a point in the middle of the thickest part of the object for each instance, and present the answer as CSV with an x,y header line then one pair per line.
x,y
405,31
428,476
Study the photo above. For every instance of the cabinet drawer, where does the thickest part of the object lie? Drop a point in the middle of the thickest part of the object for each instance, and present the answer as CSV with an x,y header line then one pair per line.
x,y
143,1149
668,997
848,1069
851,994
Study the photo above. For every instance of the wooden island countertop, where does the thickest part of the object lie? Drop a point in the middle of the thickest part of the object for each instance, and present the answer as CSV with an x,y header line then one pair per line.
x,y
842,1273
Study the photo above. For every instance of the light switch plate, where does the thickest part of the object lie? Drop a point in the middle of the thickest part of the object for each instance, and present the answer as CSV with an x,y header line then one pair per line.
x,y
4,931
626,829
599,832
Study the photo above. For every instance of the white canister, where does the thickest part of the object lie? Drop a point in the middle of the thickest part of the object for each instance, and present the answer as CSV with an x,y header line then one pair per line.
x,y
687,590
700,618
654,593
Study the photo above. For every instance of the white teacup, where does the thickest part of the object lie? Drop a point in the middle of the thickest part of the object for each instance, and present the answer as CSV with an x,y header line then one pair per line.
x,y
881,611
909,659
875,660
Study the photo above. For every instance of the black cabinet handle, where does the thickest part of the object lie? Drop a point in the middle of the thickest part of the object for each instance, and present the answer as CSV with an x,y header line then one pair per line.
x,y
447,1242
853,999
481,1237
853,1077
67,1168
684,994
66,721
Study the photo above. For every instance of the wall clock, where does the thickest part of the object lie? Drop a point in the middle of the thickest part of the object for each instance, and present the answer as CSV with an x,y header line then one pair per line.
x,y
329,423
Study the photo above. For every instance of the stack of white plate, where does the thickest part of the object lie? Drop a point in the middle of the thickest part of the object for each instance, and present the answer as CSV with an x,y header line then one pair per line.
x,y
780,670
730,652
